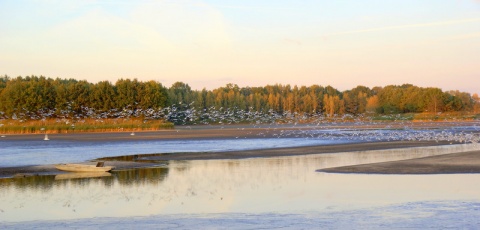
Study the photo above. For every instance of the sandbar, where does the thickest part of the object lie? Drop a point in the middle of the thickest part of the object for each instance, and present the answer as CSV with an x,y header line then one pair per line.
x,y
453,163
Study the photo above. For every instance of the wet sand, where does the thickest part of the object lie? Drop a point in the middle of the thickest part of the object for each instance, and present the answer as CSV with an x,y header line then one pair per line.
x,y
291,151
455,163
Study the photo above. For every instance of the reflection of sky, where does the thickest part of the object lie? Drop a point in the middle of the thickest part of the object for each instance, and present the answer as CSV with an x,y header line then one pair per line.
x,y
415,215
17,153
259,185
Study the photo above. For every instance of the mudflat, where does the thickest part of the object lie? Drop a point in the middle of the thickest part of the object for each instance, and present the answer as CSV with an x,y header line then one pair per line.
x,y
453,163
290,151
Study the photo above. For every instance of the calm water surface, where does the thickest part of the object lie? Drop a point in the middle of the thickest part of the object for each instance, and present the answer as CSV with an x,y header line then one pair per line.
x,y
278,185
20,153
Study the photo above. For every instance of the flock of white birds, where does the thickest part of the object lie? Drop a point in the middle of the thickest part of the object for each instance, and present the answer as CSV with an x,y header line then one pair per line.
x,y
293,124
346,127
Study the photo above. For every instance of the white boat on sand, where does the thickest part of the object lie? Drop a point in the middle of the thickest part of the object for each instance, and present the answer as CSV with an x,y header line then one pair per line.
x,y
84,168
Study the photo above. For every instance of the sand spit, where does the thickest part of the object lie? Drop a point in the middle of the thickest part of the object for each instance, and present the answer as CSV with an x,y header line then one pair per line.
x,y
454,163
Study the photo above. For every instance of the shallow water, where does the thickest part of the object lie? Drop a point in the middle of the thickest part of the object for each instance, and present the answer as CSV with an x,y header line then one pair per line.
x,y
277,192
269,187
39,152
17,153
417,215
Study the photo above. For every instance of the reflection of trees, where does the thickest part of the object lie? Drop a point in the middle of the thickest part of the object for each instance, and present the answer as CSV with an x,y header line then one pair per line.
x,y
124,177
141,176
29,182
143,158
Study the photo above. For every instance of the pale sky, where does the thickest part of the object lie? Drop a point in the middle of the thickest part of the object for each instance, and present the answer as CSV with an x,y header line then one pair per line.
x,y
250,43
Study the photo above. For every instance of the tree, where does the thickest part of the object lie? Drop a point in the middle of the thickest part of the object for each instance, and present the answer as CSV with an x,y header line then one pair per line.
x,y
80,95
152,95
34,97
476,106
372,104
179,93
459,101
3,82
333,105
31,96
389,99
127,93
103,95
435,99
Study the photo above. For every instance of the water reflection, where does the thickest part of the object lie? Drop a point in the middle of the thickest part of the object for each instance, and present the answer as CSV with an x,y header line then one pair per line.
x,y
82,175
122,177
278,184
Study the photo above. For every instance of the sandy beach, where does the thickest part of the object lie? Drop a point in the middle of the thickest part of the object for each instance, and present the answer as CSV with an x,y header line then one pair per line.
x,y
451,163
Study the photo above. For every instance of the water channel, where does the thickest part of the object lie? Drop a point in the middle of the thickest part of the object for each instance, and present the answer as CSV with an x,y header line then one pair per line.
x,y
257,186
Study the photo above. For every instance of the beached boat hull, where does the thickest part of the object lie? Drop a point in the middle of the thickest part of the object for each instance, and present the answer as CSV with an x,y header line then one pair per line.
x,y
83,168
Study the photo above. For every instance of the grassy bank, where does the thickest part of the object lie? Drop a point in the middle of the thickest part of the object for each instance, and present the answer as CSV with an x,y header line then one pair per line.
x,y
87,125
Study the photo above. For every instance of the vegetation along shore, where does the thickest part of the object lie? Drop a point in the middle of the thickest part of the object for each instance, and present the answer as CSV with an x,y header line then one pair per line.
x,y
37,104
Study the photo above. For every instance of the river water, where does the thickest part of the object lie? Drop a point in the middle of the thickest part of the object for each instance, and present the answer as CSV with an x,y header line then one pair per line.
x,y
277,192
40,152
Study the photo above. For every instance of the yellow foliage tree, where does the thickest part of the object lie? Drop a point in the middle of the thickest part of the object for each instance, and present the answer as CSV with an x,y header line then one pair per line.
x,y
372,104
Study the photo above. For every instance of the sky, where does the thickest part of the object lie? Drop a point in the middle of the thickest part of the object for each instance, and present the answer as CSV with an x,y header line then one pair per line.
x,y
209,43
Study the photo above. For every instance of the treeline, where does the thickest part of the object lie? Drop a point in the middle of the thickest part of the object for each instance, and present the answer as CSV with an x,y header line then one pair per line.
x,y
316,99
34,97
38,97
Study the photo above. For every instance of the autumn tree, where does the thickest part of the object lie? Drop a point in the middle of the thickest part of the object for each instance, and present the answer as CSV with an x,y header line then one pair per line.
x,y
372,104
476,100
356,99
333,105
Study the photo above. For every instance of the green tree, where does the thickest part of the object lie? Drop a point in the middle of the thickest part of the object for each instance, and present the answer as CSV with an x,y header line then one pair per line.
x,y
127,93
152,95
80,96
103,96
179,93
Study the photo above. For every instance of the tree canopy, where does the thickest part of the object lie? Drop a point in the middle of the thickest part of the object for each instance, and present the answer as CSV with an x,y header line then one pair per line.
x,y
36,97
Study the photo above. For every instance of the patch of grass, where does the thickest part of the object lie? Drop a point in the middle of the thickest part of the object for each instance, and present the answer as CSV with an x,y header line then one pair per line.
x,y
447,116
86,125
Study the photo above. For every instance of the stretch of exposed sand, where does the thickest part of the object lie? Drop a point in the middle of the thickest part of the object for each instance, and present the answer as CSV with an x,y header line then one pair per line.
x,y
467,162
464,162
